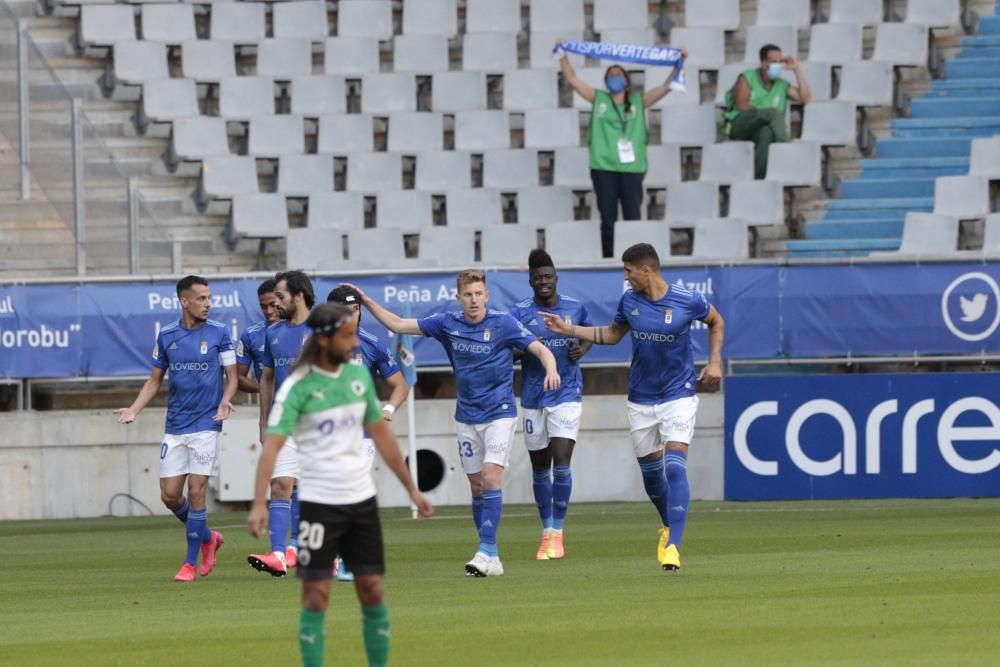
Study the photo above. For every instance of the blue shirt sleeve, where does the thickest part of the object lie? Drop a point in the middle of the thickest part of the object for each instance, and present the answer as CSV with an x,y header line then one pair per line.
x,y
584,317
225,342
699,306
620,314
386,365
243,350
160,353
266,360
432,326
515,333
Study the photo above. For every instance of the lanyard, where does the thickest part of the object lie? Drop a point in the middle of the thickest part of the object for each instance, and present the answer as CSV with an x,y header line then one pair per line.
x,y
621,118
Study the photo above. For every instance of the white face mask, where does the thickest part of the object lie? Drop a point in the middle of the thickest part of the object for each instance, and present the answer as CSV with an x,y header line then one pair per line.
x,y
774,70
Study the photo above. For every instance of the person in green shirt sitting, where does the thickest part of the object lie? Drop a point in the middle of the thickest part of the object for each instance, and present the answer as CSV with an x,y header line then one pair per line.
x,y
757,103
617,141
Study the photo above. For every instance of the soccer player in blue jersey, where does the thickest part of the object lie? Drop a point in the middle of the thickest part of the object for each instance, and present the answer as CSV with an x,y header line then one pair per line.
x,y
479,343
551,419
250,349
282,345
662,403
198,354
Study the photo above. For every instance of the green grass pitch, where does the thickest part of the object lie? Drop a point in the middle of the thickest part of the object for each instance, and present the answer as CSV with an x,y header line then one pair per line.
x,y
812,583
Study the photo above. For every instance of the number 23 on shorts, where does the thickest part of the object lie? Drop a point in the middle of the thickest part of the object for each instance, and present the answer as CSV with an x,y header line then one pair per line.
x,y
465,448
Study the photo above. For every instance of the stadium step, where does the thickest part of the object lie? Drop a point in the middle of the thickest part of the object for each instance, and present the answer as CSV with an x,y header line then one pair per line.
x,y
861,228
892,168
969,126
981,40
933,107
979,68
989,25
839,247
877,204
979,51
867,188
923,147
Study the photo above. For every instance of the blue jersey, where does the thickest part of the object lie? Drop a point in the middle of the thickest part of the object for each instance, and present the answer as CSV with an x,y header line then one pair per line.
x,y
250,349
533,394
662,358
483,358
194,360
374,355
281,348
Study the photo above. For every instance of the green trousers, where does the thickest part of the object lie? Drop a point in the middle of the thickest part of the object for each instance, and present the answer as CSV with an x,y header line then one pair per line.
x,y
763,127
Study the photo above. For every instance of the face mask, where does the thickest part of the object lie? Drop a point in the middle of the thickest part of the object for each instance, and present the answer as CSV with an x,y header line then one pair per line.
x,y
774,70
616,84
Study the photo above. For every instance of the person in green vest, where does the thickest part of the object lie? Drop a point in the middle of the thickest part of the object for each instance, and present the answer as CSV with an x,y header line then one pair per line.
x,y
757,103
617,141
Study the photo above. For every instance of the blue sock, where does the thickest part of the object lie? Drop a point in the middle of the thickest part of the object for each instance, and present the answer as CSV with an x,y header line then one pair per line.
x,y
278,516
562,487
182,512
656,486
294,541
477,511
492,511
197,524
679,495
542,486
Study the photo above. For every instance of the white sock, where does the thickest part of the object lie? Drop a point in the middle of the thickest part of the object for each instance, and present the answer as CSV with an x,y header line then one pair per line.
x,y
280,555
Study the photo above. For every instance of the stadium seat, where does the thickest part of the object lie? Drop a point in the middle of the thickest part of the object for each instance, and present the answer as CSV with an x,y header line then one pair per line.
x,y
571,168
317,95
629,36
239,22
284,59
493,52
351,55
379,247
260,216
720,238
388,92
364,18
728,162
723,14
169,99
273,136
300,19
830,123
985,158
576,242
430,17
689,125
539,205
858,12
374,172
663,166
408,210
630,232
836,43
171,24
929,234
411,131
420,53
866,83
474,208
303,175
105,25
540,45
245,97
526,89
796,13
481,130
138,62
620,14
962,196
902,44
706,47
991,234
502,16
224,177
690,201
934,13
784,37
208,60
819,76
795,164
556,15
447,246
510,169
340,134
552,128
437,171
757,202
198,138
458,91
504,245
656,76
335,210
315,249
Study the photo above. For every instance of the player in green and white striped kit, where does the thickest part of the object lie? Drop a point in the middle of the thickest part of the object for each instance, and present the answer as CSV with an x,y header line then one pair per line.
x,y
326,403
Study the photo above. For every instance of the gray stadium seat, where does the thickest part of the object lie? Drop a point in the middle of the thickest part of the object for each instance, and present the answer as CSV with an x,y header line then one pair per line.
x,y
208,60
260,216
273,136
300,19
571,168
284,59
539,205
830,123
836,43
245,97
706,46
902,44
239,22
430,17
104,25
795,164
797,13
962,196
556,15
409,210
757,202
458,91
690,201
866,83
629,35
525,89
198,138
934,13
447,246
340,211
929,234
991,234
819,76
481,130
540,49
335,210
620,14
379,247
315,249
169,99
474,208
663,166
985,158
657,76
364,18
784,37
728,162
489,52
420,53
504,245
303,175
859,12
317,95
138,62
552,128
576,242
170,24
720,238
340,134
351,55
689,125
493,16
509,169
723,14
224,177
385,93
728,74
437,171
631,232
411,131
374,172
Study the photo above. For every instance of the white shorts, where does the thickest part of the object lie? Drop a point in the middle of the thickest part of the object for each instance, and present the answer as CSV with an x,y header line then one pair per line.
x,y
370,451
287,463
559,421
652,426
189,454
479,444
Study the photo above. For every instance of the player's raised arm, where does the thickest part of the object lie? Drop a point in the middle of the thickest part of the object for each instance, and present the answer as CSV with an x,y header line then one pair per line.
x,y
257,519
552,377
149,390
388,447
712,372
606,335
387,318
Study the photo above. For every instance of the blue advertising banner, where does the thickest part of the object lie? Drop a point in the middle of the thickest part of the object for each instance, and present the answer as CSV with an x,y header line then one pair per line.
x,y
862,436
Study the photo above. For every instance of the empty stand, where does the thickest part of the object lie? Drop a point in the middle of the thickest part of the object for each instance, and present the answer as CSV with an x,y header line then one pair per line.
x,y
573,242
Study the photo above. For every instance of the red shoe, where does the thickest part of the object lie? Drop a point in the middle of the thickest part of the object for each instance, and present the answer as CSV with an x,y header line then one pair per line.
x,y
208,551
269,563
186,573
291,556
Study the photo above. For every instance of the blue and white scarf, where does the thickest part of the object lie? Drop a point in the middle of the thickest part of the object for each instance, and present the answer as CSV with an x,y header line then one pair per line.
x,y
630,53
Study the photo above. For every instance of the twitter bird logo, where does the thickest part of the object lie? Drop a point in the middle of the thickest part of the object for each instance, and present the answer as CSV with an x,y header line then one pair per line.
x,y
974,308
